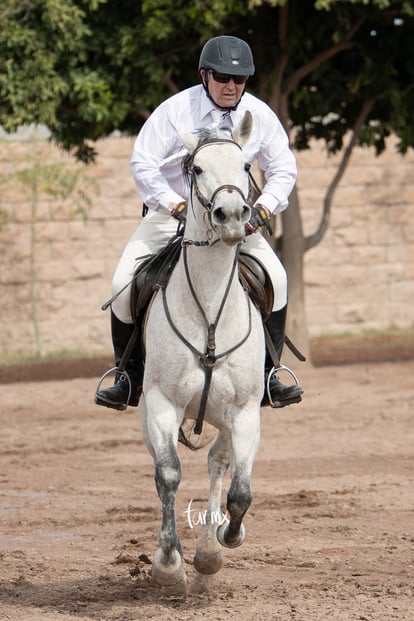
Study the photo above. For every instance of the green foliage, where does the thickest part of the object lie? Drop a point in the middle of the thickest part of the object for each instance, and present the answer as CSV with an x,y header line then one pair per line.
x,y
31,83
376,68
87,67
165,20
62,65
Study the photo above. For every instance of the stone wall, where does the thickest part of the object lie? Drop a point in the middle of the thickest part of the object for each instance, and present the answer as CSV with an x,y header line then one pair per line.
x,y
361,276
56,267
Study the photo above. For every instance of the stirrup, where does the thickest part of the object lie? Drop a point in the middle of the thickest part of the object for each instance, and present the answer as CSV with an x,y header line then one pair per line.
x,y
115,370
278,404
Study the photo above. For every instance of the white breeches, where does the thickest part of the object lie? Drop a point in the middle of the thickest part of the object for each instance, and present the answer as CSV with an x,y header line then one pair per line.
x,y
153,234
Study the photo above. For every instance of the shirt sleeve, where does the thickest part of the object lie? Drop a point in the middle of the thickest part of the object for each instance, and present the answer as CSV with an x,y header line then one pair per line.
x,y
156,145
278,163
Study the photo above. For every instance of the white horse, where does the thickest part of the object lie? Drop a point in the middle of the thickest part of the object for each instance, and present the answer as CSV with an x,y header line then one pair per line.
x,y
205,354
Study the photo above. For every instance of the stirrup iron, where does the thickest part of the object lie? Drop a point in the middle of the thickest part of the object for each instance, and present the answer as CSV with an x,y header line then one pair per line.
x,y
115,370
281,367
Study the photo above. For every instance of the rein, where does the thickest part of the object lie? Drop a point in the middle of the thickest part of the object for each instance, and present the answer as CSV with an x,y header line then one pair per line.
x,y
209,358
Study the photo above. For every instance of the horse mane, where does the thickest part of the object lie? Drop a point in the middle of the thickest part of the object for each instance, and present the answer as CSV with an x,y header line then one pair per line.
x,y
208,133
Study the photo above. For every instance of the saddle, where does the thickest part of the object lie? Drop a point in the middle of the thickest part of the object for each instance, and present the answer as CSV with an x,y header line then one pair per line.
x,y
155,271
256,282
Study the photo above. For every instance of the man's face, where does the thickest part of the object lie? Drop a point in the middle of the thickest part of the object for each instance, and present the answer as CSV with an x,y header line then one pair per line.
x,y
224,94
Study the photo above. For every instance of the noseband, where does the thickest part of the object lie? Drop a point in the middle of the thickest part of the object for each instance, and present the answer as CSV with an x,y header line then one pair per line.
x,y
208,204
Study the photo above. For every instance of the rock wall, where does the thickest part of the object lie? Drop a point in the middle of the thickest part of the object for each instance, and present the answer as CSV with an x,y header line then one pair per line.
x,y
361,276
56,266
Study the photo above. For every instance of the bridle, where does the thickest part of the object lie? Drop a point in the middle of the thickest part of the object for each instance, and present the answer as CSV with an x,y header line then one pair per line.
x,y
191,170
209,358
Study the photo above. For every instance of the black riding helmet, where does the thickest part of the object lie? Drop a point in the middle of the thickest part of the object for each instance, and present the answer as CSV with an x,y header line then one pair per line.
x,y
226,54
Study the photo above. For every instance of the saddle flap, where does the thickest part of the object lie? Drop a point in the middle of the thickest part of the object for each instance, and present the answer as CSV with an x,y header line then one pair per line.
x,y
151,274
256,281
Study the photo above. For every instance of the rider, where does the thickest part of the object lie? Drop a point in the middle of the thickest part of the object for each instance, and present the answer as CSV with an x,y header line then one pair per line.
x,y
225,64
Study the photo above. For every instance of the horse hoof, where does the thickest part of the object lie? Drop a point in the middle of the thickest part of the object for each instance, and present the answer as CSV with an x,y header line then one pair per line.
x,y
208,563
228,541
171,575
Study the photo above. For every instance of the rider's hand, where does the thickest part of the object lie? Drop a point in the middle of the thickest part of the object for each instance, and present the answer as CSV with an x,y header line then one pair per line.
x,y
179,212
259,217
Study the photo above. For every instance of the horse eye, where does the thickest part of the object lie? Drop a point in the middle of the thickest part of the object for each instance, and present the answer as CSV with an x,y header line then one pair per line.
x,y
197,170
247,167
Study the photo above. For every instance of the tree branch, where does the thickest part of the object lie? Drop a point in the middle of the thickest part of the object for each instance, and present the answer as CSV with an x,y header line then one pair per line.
x,y
278,101
170,84
325,55
315,238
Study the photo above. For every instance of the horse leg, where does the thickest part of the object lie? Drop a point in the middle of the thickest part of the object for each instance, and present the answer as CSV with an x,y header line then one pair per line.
x,y
144,428
162,428
245,441
208,558
168,567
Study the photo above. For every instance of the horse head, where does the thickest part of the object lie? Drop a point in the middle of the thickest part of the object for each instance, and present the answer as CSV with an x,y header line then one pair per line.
x,y
220,182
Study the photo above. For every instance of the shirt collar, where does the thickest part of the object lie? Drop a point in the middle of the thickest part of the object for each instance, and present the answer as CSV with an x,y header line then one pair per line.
x,y
208,109
206,106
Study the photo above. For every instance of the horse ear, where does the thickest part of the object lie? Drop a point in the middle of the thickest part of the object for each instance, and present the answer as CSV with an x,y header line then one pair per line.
x,y
190,141
243,130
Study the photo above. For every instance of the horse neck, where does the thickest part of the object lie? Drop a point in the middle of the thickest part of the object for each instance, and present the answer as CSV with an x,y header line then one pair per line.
x,y
210,270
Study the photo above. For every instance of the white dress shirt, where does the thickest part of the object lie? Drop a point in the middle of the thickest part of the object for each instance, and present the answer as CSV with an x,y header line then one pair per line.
x,y
158,152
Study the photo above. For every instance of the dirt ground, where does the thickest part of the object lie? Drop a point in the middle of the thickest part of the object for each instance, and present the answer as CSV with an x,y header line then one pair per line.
x,y
330,534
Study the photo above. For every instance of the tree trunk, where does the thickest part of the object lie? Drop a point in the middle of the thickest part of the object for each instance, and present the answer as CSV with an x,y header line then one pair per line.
x,y
292,254
292,250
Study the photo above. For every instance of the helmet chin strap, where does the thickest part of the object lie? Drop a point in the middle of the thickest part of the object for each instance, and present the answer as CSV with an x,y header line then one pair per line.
x,y
228,108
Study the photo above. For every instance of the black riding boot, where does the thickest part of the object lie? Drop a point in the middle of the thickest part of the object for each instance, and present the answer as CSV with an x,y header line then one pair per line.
x,y
116,396
280,395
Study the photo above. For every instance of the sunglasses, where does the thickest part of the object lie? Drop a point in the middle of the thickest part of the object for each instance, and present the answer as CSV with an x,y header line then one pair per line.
x,y
224,78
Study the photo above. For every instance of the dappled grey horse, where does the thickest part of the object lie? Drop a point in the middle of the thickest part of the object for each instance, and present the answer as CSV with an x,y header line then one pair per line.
x,y
205,354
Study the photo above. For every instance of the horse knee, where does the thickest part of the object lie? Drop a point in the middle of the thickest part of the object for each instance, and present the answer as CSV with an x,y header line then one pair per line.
x,y
217,464
168,475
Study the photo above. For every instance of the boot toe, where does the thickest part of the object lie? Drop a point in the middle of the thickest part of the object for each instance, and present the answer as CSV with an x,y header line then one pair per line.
x,y
281,395
102,399
116,397
113,397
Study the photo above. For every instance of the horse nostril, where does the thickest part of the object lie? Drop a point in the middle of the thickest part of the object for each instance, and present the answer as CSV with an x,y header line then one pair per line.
x,y
246,213
219,215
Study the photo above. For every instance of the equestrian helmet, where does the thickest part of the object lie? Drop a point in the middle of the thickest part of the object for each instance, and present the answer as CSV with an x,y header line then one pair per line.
x,y
227,54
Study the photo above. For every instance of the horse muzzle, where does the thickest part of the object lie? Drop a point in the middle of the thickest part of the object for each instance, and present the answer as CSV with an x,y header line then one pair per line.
x,y
229,222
